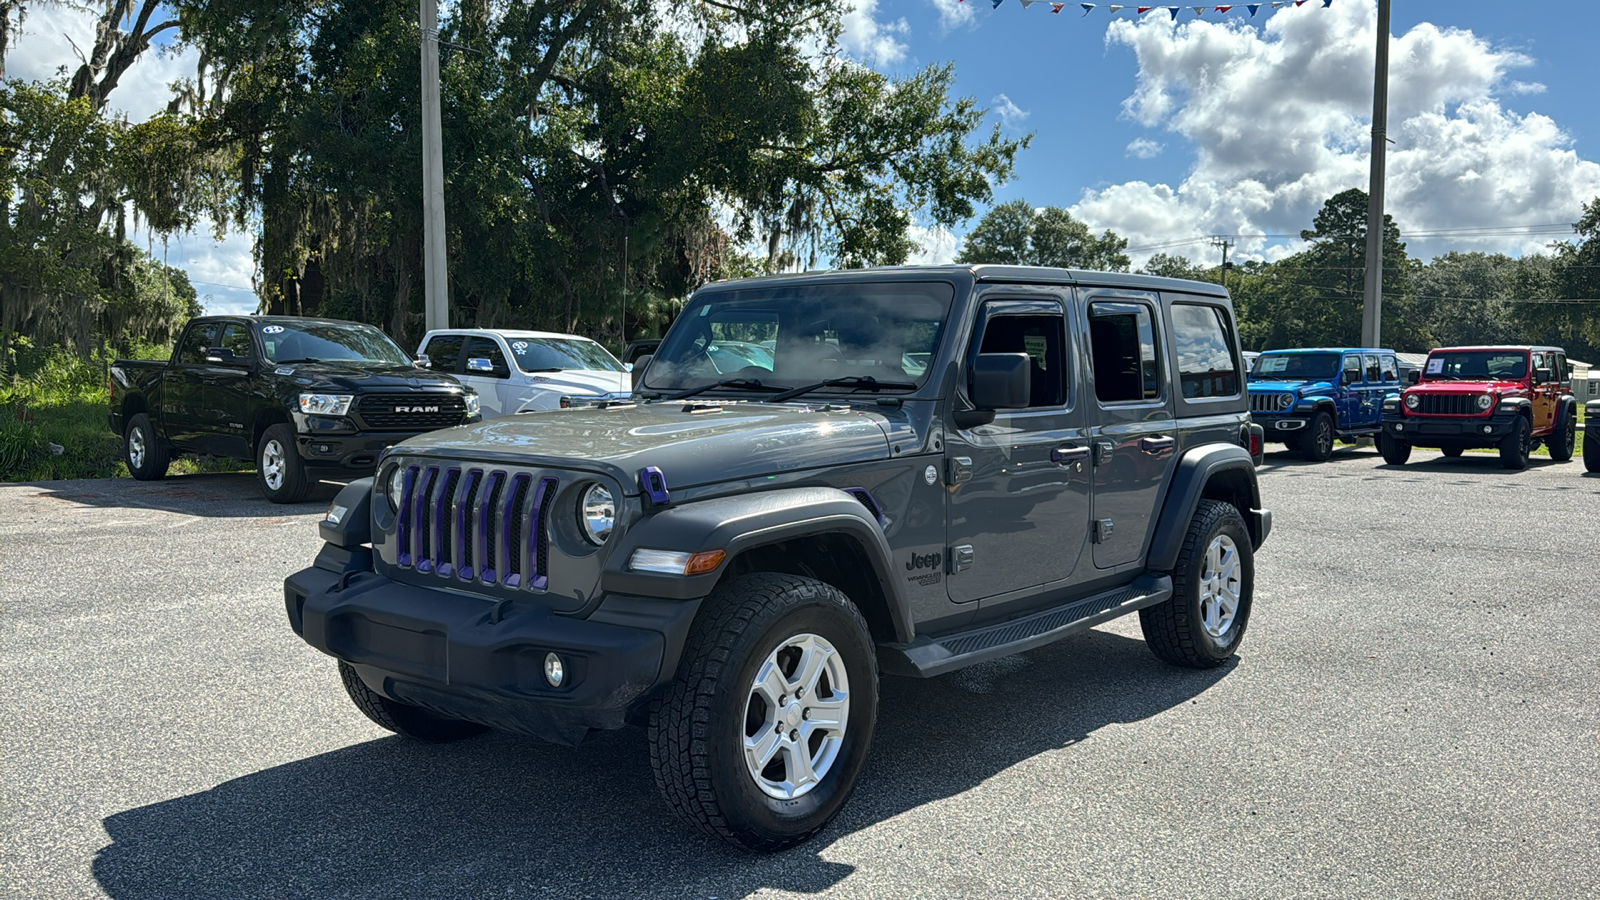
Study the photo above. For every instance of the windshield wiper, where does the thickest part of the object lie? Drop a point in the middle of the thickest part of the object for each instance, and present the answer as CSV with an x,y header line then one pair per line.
x,y
285,362
748,383
859,381
551,369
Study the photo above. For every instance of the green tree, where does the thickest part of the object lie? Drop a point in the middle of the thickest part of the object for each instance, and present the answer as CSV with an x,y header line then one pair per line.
x,y
1571,273
1015,233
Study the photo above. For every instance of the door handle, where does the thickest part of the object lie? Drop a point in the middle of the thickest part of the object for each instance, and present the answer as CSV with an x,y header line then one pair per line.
x,y
1156,444
1069,455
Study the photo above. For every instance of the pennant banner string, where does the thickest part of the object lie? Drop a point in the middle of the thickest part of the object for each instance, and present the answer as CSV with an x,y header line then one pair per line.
x,y
1088,8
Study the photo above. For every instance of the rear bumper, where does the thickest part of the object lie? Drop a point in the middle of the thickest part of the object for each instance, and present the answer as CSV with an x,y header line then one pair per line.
x,y
471,658
1468,431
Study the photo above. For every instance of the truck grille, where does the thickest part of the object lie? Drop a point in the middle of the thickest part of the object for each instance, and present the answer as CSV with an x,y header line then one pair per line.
x,y
1447,405
1274,402
410,412
476,525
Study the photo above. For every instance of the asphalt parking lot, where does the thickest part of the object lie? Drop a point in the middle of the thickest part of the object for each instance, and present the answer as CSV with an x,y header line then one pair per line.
x,y
1415,712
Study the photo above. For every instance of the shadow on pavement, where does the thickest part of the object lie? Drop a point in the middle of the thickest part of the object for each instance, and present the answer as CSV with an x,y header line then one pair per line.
x,y
231,494
505,815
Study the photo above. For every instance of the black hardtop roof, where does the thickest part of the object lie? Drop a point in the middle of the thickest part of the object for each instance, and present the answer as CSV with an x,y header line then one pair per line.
x,y
983,273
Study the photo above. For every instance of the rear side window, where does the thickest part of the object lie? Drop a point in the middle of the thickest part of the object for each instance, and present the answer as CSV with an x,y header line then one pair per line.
x,y
1043,338
237,339
444,351
196,343
1206,367
1122,337
1390,373
487,349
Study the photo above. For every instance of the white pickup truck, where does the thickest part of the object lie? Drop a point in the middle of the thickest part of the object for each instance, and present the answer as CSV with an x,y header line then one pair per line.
x,y
521,371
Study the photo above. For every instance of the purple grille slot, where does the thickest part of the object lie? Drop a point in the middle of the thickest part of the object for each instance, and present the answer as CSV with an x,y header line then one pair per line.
x,y
402,537
485,543
654,486
420,550
441,521
463,542
510,509
539,535
867,500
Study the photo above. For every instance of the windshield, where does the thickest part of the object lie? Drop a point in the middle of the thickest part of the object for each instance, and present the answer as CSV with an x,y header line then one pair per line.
x,y
544,354
1295,367
330,342
789,336
1476,365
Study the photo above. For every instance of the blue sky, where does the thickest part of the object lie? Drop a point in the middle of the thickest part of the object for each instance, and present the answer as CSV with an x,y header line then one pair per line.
x,y
1169,133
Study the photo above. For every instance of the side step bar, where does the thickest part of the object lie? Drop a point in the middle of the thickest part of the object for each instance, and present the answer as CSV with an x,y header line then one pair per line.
x,y
929,656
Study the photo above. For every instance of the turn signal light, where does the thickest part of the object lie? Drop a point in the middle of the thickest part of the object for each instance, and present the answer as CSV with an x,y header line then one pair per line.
x,y
703,562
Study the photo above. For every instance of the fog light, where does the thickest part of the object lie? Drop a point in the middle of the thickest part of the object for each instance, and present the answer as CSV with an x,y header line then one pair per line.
x,y
1488,429
554,671
1399,426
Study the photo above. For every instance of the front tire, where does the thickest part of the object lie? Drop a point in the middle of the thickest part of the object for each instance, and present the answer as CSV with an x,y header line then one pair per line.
x,y
1517,445
1565,440
1317,443
142,449
1204,622
1395,451
402,718
763,735
279,468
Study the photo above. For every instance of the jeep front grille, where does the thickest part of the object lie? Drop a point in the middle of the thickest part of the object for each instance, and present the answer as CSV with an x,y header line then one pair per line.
x,y
1275,402
409,412
1447,405
476,525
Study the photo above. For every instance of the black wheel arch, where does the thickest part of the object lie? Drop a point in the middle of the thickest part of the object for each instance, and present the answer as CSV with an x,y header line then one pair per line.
x,y
1217,472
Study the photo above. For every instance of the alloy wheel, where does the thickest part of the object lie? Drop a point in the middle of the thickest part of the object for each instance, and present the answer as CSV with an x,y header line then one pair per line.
x,y
1220,587
795,719
136,448
272,465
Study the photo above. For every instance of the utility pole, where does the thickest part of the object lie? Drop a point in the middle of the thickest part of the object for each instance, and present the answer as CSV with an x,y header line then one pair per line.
x,y
624,325
435,277
1372,309
1224,244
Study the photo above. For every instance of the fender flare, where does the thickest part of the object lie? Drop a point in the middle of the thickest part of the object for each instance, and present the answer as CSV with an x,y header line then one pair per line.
x,y
1187,488
1519,405
742,522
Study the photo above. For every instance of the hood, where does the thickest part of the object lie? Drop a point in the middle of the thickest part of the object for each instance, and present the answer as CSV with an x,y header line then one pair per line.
x,y
352,379
583,382
1279,387
1477,386
692,444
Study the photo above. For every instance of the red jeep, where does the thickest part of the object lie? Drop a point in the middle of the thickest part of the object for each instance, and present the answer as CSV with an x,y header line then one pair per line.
x,y
1508,398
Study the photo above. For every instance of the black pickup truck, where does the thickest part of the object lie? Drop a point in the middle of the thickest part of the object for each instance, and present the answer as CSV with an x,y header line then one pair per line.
x,y
302,397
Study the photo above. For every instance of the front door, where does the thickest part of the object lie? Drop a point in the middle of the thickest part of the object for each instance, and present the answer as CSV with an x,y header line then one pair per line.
x,y
183,403
1135,437
229,395
486,371
1019,486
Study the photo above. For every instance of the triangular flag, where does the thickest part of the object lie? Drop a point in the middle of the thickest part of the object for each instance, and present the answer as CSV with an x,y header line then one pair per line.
x,y
1115,9
1027,3
1087,8
1057,7
1326,3
1174,11
1223,9
1254,8
1144,9
1297,3
1199,10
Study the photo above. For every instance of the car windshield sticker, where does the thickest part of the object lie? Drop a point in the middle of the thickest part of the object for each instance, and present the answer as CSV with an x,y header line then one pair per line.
x,y
1272,363
520,346
283,370
1436,365
272,329
1036,346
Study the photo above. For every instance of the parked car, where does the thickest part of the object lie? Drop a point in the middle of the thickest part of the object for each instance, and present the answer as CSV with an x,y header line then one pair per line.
x,y
521,371
1508,398
732,561
304,398
1310,398
1591,436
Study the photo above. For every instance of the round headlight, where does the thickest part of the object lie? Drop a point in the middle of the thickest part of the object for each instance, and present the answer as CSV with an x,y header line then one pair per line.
x,y
1485,401
1285,401
597,512
396,486
1412,401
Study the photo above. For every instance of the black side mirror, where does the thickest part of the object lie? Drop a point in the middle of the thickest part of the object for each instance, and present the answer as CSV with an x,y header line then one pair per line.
x,y
1542,376
639,365
1413,376
999,381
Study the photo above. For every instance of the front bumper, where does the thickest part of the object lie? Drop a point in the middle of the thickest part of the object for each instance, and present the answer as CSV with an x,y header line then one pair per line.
x,y
1278,427
348,449
467,657
1430,431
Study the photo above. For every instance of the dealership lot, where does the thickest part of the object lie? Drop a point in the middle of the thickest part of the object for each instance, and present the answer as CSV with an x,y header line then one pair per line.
x,y
1414,713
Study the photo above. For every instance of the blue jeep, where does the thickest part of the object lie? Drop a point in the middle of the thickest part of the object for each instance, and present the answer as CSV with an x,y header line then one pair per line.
x,y
1307,398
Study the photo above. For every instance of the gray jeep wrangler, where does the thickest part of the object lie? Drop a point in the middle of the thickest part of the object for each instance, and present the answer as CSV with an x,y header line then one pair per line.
x,y
820,478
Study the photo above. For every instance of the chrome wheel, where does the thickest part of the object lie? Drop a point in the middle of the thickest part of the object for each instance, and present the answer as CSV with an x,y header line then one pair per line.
x,y
136,448
1220,587
796,716
272,464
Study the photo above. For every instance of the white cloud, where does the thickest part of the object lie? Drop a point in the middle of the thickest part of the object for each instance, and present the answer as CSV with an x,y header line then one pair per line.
x,y
1011,115
935,246
1144,148
873,42
955,15
1281,120
43,49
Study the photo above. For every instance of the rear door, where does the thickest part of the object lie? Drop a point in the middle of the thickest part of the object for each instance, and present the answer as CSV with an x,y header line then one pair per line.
x,y
487,371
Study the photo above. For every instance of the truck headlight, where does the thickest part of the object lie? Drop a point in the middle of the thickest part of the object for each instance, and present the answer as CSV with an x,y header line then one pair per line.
x,y
597,513
1285,401
325,404
1412,401
1485,401
471,399
396,486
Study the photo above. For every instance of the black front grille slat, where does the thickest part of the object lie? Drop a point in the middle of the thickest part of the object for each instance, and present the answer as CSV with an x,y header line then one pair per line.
x,y
489,528
1448,405
464,523
513,520
443,523
476,524
410,412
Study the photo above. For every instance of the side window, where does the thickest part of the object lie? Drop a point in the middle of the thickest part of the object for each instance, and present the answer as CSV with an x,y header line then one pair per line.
x,y
1043,338
1206,367
444,352
196,343
1374,375
1540,361
1122,339
489,349
1390,373
237,338
1562,374
1352,370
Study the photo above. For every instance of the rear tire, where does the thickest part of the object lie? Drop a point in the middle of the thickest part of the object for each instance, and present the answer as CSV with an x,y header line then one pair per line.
x,y
759,771
279,468
1565,440
1516,446
143,450
402,718
1316,444
1202,625
1395,451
